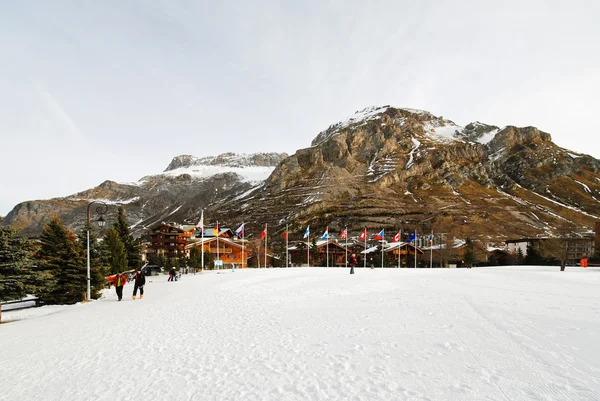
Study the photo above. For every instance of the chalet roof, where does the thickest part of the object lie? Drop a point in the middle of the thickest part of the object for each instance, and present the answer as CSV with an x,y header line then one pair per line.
x,y
206,240
209,232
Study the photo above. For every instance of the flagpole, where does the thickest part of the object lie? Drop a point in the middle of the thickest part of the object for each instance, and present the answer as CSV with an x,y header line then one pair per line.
x,y
346,238
287,262
415,249
382,253
327,247
243,234
308,250
202,248
399,247
265,245
365,258
431,251
218,241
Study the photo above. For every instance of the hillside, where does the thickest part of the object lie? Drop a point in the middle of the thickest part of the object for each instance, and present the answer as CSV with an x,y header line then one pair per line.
x,y
383,167
403,168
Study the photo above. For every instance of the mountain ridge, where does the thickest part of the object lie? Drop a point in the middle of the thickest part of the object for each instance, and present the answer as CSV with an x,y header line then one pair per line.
x,y
381,167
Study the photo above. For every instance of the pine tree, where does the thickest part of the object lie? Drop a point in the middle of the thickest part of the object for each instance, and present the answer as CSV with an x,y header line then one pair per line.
x,y
63,264
16,276
196,257
115,251
134,260
469,253
98,265
181,261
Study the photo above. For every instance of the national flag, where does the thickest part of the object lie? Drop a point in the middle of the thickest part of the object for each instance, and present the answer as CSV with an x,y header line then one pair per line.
x,y
216,230
240,230
379,236
363,236
307,232
284,234
431,239
264,233
397,237
344,233
325,234
412,237
200,224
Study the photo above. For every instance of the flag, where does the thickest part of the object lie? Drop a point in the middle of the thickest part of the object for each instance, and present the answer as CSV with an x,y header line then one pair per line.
x,y
363,236
344,233
325,234
200,224
431,239
412,237
380,235
216,230
307,232
240,230
284,234
397,237
264,233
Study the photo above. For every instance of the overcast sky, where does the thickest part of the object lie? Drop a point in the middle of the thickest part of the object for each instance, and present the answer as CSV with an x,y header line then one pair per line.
x,y
96,90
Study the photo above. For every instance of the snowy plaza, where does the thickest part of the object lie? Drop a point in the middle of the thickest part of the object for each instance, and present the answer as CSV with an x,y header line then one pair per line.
x,y
505,333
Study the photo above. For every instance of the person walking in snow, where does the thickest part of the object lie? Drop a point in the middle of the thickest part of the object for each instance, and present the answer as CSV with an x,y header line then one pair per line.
x,y
140,280
119,280
171,274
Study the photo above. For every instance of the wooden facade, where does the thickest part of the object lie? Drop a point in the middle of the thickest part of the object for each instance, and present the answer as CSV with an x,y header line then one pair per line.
x,y
171,238
229,251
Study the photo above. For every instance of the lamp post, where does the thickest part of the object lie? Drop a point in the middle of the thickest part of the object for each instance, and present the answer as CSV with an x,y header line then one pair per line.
x,y
100,209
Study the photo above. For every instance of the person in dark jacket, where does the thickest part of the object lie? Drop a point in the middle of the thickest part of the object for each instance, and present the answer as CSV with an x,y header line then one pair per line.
x,y
119,280
171,274
140,280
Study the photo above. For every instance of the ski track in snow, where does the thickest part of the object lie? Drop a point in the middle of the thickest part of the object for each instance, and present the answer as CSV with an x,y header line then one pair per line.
x,y
506,333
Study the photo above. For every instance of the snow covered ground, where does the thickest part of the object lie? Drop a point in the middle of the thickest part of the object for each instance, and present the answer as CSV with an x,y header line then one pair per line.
x,y
507,333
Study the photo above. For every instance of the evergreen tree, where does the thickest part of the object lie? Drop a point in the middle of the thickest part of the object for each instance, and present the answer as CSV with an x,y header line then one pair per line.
x,y
181,261
134,259
520,257
98,265
469,253
115,250
16,275
63,265
533,257
196,257
209,260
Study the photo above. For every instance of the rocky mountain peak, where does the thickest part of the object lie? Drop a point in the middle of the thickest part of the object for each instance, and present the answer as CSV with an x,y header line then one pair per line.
x,y
228,159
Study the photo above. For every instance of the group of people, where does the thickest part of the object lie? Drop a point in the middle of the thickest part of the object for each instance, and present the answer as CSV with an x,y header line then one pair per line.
x,y
173,276
119,280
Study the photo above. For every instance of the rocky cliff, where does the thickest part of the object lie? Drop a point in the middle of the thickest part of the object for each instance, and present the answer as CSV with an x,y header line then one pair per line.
x,y
402,168
186,186
383,167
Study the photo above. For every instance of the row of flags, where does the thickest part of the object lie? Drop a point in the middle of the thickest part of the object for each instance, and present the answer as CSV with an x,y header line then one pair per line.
x,y
343,235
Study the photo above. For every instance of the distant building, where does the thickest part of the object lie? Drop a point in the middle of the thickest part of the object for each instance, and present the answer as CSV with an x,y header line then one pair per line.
x,y
170,238
576,248
228,250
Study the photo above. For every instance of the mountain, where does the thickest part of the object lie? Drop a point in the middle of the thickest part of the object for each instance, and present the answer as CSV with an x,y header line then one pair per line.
x,y
383,167
395,168
177,194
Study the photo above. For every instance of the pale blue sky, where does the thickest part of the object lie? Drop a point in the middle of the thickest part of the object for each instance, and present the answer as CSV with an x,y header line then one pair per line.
x,y
96,90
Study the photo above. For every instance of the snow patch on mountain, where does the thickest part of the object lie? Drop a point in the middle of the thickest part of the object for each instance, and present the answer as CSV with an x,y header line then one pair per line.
x,y
442,131
248,174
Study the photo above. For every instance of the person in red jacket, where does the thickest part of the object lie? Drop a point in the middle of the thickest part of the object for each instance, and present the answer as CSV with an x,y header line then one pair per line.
x,y
119,281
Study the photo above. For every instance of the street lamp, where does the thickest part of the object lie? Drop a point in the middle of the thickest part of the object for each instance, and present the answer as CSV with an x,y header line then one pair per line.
x,y
100,209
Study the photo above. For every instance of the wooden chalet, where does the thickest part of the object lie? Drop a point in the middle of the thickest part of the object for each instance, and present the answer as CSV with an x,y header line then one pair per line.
x,y
330,254
227,249
170,238
401,250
